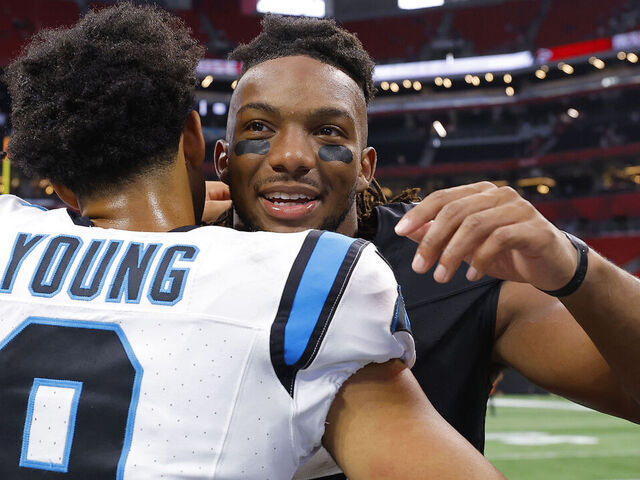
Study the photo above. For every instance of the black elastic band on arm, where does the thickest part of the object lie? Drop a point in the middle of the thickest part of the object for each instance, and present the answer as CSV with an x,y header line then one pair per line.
x,y
581,269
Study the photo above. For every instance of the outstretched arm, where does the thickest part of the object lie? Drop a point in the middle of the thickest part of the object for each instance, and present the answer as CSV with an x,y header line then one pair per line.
x,y
585,345
381,426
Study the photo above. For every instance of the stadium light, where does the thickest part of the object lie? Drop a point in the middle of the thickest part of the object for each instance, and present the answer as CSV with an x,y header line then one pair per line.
x,y
534,181
632,57
633,170
447,83
622,55
488,77
439,128
541,74
573,113
206,81
234,84
510,91
507,78
384,85
394,87
406,83
219,108
417,86
308,8
475,81
203,108
438,81
415,4
566,68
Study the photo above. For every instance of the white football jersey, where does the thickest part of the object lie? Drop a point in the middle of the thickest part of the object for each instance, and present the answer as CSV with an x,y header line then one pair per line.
x,y
203,354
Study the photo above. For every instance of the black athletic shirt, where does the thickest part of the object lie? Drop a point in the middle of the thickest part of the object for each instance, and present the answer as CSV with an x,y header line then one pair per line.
x,y
453,326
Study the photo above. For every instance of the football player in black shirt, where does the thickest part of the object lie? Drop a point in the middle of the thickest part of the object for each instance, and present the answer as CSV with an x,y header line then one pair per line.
x,y
533,298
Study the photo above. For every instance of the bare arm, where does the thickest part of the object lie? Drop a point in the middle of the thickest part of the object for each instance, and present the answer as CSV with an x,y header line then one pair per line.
x,y
540,338
381,426
587,349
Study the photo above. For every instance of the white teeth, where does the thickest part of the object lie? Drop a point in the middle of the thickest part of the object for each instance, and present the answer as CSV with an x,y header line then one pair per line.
x,y
287,196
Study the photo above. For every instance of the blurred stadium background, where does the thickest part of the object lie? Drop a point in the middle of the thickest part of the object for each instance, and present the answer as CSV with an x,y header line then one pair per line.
x,y
542,95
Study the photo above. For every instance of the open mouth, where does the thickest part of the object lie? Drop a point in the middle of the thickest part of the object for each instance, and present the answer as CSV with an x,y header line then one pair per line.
x,y
289,205
283,199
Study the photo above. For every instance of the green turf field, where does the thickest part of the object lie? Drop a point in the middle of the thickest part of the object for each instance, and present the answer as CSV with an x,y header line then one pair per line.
x,y
553,439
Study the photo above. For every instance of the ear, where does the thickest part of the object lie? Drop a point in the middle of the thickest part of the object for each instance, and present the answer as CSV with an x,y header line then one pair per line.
x,y
66,195
193,140
221,160
368,160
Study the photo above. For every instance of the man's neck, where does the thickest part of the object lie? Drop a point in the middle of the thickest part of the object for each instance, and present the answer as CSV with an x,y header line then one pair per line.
x,y
142,206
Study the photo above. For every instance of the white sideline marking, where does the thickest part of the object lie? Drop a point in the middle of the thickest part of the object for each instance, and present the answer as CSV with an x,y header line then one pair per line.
x,y
546,455
547,404
539,438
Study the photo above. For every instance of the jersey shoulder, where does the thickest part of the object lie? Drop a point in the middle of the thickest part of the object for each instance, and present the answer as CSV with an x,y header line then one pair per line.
x,y
18,212
341,310
11,205
339,286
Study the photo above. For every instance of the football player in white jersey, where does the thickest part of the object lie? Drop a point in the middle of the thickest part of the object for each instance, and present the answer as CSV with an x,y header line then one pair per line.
x,y
130,349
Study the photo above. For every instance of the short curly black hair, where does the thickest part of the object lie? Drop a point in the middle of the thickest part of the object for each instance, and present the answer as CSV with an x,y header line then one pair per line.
x,y
104,101
321,39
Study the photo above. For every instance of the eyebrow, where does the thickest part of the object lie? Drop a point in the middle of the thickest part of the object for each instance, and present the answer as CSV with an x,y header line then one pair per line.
x,y
265,107
325,112
322,112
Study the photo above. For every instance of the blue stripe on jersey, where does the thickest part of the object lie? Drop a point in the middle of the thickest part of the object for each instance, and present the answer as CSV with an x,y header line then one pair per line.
x,y
309,299
313,290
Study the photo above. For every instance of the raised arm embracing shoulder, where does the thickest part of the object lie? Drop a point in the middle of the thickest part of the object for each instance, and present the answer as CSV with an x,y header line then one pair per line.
x,y
583,345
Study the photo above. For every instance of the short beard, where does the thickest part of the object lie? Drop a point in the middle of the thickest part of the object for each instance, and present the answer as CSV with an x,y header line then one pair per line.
x,y
333,223
250,222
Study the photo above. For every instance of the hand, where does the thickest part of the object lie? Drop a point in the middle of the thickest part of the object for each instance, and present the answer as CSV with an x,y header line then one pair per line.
x,y
217,201
495,230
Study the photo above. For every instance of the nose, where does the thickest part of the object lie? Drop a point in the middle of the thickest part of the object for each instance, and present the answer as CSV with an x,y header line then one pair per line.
x,y
292,152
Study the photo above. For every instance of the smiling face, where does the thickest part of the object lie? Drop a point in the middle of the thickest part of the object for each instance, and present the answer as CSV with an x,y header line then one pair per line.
x,y
296,155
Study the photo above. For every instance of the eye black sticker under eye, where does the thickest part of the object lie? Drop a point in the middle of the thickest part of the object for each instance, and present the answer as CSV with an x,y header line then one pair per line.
x,y
259,147
335,153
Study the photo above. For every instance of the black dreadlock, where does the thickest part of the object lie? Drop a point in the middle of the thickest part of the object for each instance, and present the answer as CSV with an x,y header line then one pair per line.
x,y
374,197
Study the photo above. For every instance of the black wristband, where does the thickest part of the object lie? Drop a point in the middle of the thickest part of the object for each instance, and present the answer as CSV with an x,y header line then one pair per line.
x,y
581,269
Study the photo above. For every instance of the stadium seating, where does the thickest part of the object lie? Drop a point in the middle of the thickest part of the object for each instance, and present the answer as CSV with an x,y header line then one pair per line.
x,y
569,21
403,37
20,19
498,27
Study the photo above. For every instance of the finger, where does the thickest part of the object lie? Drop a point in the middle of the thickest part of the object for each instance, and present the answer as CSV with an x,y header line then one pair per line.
x,y
213,209
217,191
474,230
473,274
450,218
508,237
428,208
417,235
